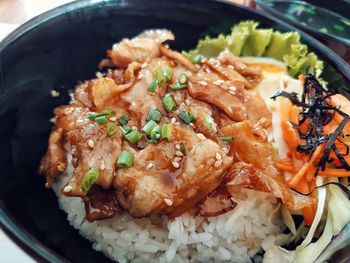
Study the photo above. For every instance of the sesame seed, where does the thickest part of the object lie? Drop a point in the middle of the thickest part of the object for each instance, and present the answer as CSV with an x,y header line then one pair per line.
x,y
113,118
217,163
233,88
134,127
232,92
149,166
192,125
61,167
144,65
99,75
203,83
177,159
177,123
54,93
231,67
103,166
68,188
175,164
47,185
173,120
218,156
91,143
188,102
179,153
169,202
140,76
177,146
200,136
218,82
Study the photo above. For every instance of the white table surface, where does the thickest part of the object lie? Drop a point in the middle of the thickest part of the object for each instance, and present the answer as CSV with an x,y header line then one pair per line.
x,y
9,251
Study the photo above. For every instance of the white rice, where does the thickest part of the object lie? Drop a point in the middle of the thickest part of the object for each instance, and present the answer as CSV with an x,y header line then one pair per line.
x,y
232,237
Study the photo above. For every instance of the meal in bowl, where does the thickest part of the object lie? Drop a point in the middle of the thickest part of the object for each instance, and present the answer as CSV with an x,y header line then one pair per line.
x,y
212,155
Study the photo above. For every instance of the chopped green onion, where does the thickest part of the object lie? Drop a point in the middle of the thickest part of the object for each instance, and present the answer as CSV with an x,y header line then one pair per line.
x,y
169,102
186,117
89,179
149,127
101,119
111,129
183,148
197,59
155,133
182,79
126,129
123,120
209,122
107,112
153,85
167,73
125,160
177,86
92,117
134,136
163,76
154,114
226,139
166,131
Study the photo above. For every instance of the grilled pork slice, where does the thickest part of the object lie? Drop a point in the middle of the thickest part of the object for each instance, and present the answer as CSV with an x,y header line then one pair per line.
x,y
166,180
140,48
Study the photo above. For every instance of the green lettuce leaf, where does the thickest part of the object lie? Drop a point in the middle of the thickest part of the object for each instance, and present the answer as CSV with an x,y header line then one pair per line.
x,y
246,39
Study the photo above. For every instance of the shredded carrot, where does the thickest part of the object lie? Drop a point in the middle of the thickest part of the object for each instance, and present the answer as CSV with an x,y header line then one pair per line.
x,y
332,172
300,174
285,167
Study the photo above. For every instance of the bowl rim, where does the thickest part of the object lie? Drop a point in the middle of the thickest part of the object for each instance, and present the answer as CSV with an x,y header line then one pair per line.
x,y
27,242
325,36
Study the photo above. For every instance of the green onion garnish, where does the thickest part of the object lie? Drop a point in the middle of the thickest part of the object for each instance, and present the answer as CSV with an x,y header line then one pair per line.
x,y
154,114
125,160
169,102
153,85
89,179
123,120
134,136
209,122
111,129
163,76
166,131
183,148
92,117
126,129
197,59
177,86
186,117
155,133
182,78
149,127
107,112
101,119
167,73
226,139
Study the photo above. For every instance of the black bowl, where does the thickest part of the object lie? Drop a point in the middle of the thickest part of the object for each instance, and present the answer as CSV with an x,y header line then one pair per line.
x,y
61,47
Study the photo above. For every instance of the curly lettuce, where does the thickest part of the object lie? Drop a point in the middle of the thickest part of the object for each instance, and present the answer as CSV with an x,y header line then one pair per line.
x,y
246,39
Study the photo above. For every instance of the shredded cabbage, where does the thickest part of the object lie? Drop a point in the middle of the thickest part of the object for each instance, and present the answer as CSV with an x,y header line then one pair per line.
x,y
246,39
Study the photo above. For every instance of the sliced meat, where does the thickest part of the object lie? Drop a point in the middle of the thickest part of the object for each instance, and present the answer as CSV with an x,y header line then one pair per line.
x,y
252,74
248,176
257,110
178,58
227,96
100,204
162,181
139,49
91,147
217,203
250,145
54,160
105,92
